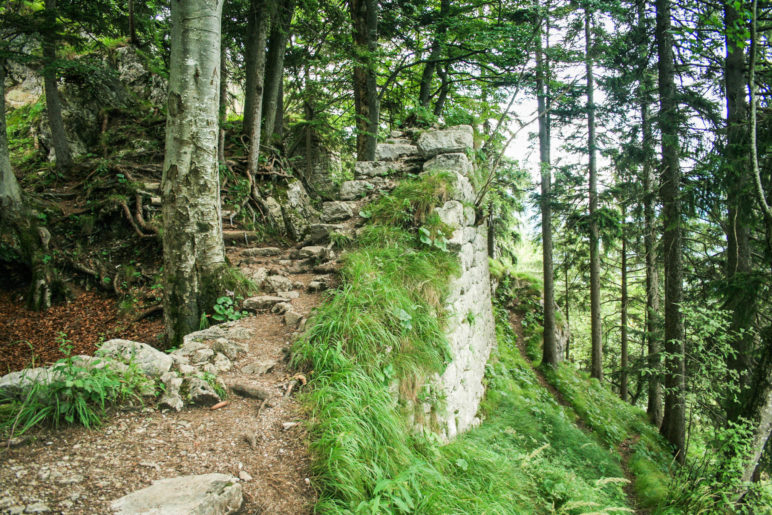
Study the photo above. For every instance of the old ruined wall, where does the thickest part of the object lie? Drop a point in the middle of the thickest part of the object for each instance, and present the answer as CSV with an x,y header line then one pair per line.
x,y
470,327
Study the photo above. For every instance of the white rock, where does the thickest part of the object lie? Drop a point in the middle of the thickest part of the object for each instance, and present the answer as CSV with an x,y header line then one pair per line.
x,y
150,361
208,494
452,140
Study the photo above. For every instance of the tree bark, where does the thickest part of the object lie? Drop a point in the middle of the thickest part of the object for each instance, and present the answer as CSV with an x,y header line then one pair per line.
x,y
194,256
550,354
623,366
568,314
260,14
741,288
132,29
16,218
53,103
442,97
425,87
274,72
674,419
654,407
596,369
222,111
364,15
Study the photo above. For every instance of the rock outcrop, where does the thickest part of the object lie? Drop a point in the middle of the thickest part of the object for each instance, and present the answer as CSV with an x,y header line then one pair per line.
x,y
207,494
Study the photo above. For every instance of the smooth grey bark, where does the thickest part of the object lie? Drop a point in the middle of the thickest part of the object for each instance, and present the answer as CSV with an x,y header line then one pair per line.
x,y
15,217
550,354
596,369
223,107
425,87
53,103
258,24
442,97
568,314
623,365
194,256
364,15
674,418
274,72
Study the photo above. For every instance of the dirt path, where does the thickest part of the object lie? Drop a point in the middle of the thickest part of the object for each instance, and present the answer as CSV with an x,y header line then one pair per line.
x,y
625,448
74,470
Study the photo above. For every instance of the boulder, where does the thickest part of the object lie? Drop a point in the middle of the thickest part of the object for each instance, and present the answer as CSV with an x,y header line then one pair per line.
x,y
15,384
171,398
320,233
394,151
229,348
249,390
259,276
261,251
311,252
336,211
292,318
353,190
261,302
452,140
456,162
150,361
206,494
274,214
298,212
277,283
200,392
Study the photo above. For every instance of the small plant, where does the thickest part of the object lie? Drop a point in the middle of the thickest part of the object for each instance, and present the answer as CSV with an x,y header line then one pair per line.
x,y
216,385
225,310
77,391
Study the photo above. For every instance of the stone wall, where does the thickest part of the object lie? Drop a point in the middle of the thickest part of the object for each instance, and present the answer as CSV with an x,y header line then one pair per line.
x,y
470,326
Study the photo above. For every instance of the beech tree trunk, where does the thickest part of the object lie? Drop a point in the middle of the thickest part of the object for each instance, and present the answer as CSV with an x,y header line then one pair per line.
x,y
364,15
274,72
550,354
194,256
53,104
16,218
674,419
260,14
596,369
222,110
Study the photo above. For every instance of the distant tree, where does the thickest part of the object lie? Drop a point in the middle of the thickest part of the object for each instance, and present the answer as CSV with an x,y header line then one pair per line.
x,y
364,16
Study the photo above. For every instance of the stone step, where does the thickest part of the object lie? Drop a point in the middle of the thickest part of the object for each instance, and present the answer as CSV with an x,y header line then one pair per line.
x,y
261,251
337,211
261,302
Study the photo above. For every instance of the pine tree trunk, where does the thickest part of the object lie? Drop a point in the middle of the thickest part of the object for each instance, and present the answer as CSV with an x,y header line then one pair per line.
x,y
194,256
364,15
53,104
550,354
274,72
17,219
652,335
596,369
674,419
623,366
741,287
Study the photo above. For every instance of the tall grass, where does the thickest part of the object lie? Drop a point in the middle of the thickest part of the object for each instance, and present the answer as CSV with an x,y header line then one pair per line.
x,y
382,330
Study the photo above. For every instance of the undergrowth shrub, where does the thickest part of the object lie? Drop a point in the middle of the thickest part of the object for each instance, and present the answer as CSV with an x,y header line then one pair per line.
x,y
79,393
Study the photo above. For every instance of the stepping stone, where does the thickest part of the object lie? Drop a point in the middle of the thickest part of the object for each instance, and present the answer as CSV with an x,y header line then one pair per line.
x,y
261,252
261,302
206,493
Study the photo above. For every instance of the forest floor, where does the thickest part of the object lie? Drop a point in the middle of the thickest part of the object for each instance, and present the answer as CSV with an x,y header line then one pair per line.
x,y
76,470
624,449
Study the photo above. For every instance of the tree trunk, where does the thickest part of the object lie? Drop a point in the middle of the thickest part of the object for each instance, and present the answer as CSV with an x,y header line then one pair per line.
x,y
223,108
623,366
275,66
16,218
260,14
596,369
53,104
425,88
654,408
568,314
550,354
442,97
364,15
674,419
132,29
278,123
194,256
741,288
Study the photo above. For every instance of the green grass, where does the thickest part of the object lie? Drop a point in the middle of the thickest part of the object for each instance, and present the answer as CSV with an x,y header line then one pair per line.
x,y
369,350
